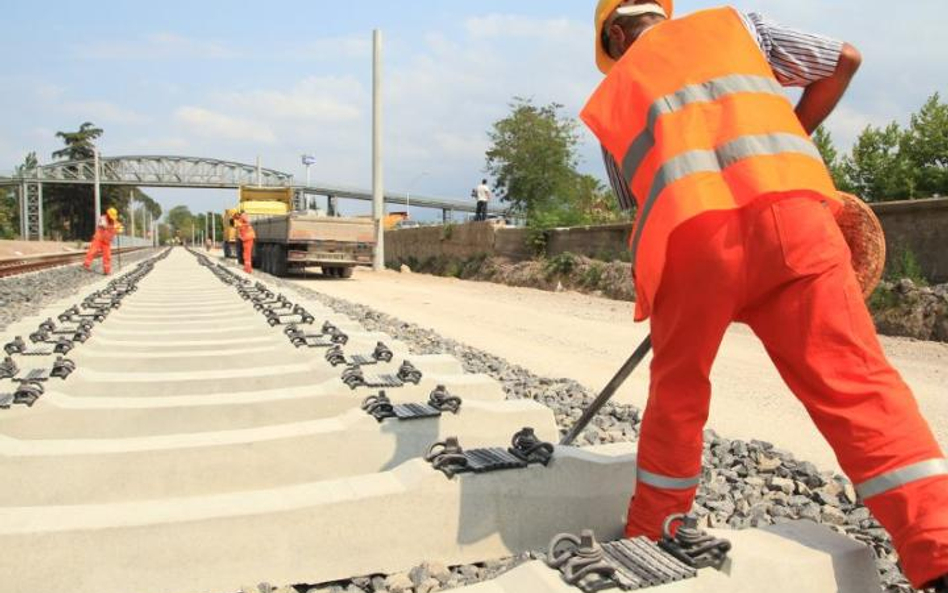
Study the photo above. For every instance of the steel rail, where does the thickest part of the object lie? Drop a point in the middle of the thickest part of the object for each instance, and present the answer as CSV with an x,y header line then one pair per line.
x,y
14,266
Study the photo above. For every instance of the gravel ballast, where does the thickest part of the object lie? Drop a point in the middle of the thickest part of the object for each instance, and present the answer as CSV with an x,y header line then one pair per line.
x,y
744,485
24,295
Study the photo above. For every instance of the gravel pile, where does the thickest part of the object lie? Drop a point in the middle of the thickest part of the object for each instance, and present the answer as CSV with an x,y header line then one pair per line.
x,y
914,311
745,484
24,295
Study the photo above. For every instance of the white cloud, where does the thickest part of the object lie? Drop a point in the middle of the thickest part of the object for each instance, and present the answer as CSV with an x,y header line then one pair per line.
x,y
206,123
325,99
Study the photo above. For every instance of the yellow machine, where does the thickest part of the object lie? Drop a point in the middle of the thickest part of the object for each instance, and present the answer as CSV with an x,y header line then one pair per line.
x,y
257,202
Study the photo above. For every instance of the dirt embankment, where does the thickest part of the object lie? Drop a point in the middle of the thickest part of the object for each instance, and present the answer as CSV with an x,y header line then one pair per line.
x,y
562,272
10,248
901,308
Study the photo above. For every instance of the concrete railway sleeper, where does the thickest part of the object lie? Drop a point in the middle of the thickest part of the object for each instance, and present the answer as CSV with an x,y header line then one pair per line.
x,y
50,340
196,435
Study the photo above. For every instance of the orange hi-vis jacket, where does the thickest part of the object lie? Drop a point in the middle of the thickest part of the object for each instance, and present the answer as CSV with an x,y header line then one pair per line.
x,y
105,230
697,121
245,229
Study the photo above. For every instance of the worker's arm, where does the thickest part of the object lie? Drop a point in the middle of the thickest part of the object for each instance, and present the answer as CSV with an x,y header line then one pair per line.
x,y
821,97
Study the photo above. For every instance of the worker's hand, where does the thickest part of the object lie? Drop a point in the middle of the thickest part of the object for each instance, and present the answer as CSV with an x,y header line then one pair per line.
x,y
120,228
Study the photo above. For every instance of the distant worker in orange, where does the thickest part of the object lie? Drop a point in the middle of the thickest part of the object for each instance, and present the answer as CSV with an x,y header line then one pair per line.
x,y
247,236
105,231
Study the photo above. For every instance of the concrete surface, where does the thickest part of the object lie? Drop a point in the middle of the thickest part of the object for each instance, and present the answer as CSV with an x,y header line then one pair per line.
x,y
197,452
799,557
201,433
588,338
91,471
311,532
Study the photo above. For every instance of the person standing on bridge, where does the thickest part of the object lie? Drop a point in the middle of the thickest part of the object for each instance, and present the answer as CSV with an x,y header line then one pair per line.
x,y
106,228
247,236
483,194
736,223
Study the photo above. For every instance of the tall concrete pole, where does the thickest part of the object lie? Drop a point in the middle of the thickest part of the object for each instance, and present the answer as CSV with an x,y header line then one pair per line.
x,y
131,213
145,216
213,232
39,196
98,187
23,215
378,192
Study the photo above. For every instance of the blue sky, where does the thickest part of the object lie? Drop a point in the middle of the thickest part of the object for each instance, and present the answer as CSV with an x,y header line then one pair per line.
x,y
235,80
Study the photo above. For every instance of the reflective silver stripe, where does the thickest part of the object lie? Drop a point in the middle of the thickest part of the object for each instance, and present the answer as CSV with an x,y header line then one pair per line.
x,y
665,482
715,161
902,476
697,93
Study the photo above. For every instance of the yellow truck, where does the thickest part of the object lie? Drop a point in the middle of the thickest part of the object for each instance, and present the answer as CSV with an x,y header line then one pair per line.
x,y
288,240
257,202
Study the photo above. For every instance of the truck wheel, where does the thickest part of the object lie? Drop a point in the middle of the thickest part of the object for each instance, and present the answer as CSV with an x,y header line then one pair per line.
x,y
346,272
279,261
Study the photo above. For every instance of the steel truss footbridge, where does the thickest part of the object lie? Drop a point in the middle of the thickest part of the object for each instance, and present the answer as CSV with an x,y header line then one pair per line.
x,y
183,172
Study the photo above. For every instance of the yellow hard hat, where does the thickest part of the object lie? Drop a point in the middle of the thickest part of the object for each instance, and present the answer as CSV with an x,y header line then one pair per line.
x,y
606,8
112,213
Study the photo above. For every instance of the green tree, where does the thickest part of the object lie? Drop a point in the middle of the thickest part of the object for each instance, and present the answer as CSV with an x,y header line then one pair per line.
x,y
181,221
9,213
926,147
824,142
80,145
533,157
878,169
30,162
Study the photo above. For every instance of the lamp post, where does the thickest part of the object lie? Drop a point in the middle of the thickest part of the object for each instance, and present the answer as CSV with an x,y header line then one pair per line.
x,y
411,184
308,160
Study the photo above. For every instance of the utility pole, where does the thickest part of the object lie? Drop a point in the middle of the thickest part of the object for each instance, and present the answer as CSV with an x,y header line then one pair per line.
x,y
131,213
98,186
213,233
378,192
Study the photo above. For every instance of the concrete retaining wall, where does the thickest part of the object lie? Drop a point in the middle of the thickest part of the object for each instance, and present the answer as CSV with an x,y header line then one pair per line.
x,y
919,226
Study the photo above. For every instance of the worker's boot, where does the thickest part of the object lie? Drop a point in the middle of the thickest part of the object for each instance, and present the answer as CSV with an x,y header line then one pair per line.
x,y
941,585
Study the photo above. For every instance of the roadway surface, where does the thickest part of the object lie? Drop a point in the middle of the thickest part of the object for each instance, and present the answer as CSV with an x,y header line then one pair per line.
x,y
587,338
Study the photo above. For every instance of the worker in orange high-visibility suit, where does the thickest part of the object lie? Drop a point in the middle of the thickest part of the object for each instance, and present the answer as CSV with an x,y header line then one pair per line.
x,y
247,236
105,231
736,223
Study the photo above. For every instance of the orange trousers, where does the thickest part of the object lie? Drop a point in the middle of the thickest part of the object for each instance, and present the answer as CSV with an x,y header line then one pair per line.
x,y
95,247
248,253
782,266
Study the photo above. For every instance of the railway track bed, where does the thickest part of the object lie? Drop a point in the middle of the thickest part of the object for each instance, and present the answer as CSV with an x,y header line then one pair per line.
x,y
187,429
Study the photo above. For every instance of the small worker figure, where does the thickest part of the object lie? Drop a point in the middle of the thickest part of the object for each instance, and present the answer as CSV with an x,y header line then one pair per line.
x,y
246,235
105,231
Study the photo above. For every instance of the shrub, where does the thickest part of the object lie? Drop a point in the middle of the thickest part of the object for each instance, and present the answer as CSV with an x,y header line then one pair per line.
x,y
562,264
593,275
